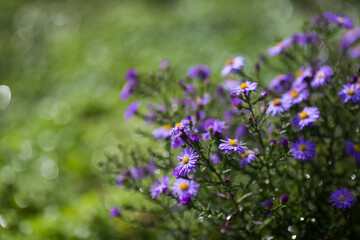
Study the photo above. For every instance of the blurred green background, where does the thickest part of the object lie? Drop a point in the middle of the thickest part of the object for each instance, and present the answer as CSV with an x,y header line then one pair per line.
x,y
64,62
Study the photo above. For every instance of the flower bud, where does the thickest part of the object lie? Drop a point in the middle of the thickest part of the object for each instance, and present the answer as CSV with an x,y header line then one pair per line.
x,y
288,125
250,119
227,181
284,142
284,199
273,143
264,94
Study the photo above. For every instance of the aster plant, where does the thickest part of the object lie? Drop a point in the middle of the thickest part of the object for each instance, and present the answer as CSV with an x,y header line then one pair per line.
x,y
244,156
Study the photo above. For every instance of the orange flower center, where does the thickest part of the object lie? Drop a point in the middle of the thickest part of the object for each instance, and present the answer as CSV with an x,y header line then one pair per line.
x,y
302,147
303,115
243,85
351,92
298,73
342,198
233,143
167,127
246,154
340,19
185,160
357,148
230,61
277,102
183,186
294,94
178,125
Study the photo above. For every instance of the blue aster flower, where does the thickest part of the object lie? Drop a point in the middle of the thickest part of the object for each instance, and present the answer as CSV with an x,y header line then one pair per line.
x,y
160,186
306,117
342,199
353,149
233,65
188,161
278,106
244,87
350,92
230,145
303,150
247,158
322,76
339,19
183,186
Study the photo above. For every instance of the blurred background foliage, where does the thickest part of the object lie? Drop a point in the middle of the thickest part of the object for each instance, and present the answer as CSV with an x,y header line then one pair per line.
x,y
64,62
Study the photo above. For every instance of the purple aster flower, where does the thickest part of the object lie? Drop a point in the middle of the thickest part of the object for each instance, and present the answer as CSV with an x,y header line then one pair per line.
x,y
215,125
297,94
339,19
353,150
318,21
215,159
322,76
350,37
137,173
114,212
306,117
188,88
127,90
236,102
245,87
268,203
247,158
188,161
354,52
131,75
303,150
160,186
229,84
350,92
241,130
199,71
183,125
233,65
281,82
121,177
131,110
301,39
185,199
230,145
177,140
204,100
342,199
301,75
150,168
284,199
278,106
162,132
284,142
184,186
164,64
280,46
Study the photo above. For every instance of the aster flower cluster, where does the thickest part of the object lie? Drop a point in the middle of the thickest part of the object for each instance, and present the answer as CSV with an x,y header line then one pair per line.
x,y
243,156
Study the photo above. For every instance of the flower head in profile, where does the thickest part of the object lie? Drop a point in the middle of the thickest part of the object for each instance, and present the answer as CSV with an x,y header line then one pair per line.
x,y
353,149
202,72
232,145
268,203
131,78
322,76
233,65
188,161
306,117
303,150
342,199
350,37
185,199
350,92
339,19
280,47
183,125
114,212
297,94
162,132
160,186
247,158
177,140
137,173
281,82
132,110
244,87
184,186
354,52
214,125
277,106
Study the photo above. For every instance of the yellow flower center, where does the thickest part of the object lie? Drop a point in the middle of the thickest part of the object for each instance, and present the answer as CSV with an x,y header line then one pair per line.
x,y
320,75
233,143
278,44
302,147
298,73
294,94
178,124
185,160
357,148
340,19
277,102
167,127
243,85
183,186
246,154
230,61
342,198
351,92
303,115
